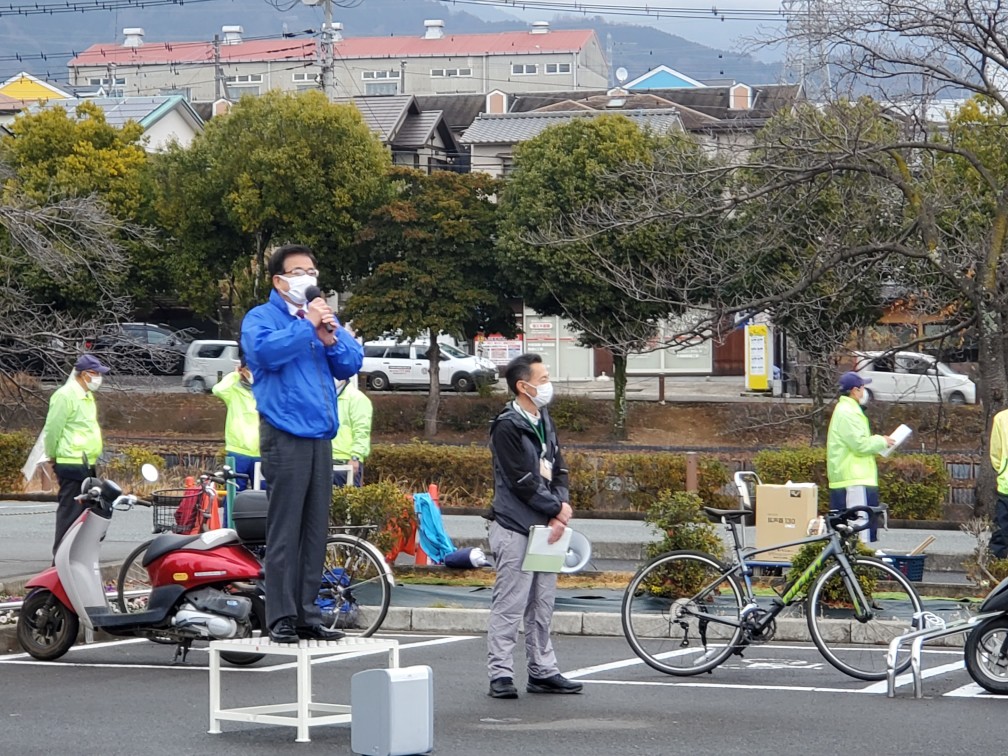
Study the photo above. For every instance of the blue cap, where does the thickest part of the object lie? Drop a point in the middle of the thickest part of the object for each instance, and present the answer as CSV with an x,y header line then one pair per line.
x,y
90,363
851,380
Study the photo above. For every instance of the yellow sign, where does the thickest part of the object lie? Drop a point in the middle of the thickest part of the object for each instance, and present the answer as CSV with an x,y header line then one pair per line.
x,y
758,358
180,577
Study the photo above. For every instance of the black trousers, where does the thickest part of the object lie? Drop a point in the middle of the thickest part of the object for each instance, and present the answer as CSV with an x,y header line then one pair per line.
x,y
69,478
298,474
999,531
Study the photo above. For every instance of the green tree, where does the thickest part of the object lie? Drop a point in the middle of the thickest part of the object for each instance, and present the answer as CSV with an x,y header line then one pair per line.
x,y
54,156
278,168
432,264
562,174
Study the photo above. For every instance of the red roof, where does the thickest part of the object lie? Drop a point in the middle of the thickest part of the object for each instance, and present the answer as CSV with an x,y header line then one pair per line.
x,y
196,52
503,43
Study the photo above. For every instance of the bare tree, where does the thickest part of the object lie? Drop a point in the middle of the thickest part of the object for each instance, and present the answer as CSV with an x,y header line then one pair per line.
x,y
866,198
66,243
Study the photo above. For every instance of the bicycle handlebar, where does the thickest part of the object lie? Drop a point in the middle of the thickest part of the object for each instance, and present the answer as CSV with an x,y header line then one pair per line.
x,y
842,521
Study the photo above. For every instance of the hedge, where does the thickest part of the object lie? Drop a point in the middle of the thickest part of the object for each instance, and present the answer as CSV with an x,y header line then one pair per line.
x,y
14,451
914,486
609,481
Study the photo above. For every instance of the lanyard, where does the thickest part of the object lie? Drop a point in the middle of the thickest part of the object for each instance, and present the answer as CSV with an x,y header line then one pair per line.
x,y
537,425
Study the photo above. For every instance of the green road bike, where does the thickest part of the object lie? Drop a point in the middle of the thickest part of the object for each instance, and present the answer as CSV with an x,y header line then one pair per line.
x,y
686,612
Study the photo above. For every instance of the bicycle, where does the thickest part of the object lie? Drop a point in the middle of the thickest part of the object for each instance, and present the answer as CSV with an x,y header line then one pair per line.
x,y
686,612
355,586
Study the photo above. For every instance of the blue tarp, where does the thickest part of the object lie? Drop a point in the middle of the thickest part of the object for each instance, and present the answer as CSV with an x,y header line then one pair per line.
x,y
433,538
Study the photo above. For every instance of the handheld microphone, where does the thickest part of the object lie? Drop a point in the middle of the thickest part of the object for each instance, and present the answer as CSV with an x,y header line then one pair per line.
x,y
314,292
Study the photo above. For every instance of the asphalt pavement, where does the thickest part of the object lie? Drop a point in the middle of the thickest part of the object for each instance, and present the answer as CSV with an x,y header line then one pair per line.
x,y
126,697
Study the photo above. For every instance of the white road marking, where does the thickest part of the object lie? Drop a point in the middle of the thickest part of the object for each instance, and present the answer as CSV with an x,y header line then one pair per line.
x,y
972,690
907,678
24,659
731,686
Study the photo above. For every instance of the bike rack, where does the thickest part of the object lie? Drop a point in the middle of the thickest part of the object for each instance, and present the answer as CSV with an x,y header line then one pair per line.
x,y
917,639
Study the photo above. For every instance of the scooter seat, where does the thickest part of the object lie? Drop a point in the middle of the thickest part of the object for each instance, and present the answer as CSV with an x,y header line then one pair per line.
x,y
165,543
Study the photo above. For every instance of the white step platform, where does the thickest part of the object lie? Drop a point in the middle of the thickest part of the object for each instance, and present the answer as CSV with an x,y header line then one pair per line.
x,y
305,712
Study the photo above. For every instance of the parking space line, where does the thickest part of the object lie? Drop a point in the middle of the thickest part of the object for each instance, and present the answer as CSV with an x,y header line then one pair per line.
x,y
907,679
971,690
24,659
730,686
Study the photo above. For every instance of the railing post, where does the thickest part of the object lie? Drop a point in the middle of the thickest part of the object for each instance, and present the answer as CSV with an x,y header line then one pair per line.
x,y
661,389
691,471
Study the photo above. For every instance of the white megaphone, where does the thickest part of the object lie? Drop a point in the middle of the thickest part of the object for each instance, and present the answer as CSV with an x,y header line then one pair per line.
x,y
578,553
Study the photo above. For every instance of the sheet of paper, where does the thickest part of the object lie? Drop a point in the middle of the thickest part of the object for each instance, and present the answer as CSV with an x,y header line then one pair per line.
x,y
901,434
542,556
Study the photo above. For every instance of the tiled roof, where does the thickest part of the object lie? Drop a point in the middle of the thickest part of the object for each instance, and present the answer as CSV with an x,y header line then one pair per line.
x,y
512,128
501,43
10,104
417,129
459,110
119,110
710,101
384,115
196,52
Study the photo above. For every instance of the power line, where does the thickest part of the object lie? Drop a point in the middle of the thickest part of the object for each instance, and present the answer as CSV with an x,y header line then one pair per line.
x,y
714,13
52,7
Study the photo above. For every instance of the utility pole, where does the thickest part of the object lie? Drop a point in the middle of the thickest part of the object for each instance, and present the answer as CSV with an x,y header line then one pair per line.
x,y
328,82
402,77
218,72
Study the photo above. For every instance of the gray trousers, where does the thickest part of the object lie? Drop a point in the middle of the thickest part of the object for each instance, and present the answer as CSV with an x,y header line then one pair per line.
x,y
518,595
298,474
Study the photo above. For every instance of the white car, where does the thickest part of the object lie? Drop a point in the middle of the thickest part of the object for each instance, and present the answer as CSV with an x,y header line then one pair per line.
x,y
207,361
913,377
390,364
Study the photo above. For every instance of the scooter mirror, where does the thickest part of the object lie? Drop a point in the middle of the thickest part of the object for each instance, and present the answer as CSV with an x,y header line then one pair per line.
x,y
149,472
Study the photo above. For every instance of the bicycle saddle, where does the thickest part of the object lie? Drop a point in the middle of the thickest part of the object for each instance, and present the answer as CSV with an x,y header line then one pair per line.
x,y
728,514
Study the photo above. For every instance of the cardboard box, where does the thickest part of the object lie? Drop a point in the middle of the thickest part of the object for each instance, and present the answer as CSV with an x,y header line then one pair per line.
x,y
782,515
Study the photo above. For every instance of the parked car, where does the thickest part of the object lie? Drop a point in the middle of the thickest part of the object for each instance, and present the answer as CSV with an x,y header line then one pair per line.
x,y
391,364
140,348
207,361
913,377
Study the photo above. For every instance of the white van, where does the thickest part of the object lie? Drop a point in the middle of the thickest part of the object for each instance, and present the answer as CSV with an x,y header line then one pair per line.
x,y
913,377
206,362
390,364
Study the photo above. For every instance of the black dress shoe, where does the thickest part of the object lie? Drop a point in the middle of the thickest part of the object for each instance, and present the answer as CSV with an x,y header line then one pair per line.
x,y
319,632
503,687
555,684
283,632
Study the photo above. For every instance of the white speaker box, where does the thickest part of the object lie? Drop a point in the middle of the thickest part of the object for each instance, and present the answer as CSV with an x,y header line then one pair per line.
x,y
392,711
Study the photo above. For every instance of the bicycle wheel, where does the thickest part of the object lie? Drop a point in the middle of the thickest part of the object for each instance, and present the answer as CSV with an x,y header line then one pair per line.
x,y
133,585
354,595
681,613
858,647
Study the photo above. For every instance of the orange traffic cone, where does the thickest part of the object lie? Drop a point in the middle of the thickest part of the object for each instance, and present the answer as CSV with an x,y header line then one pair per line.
x,y
215,517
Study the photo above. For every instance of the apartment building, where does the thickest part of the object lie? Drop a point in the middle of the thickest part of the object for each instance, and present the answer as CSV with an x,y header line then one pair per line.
x,y
433,62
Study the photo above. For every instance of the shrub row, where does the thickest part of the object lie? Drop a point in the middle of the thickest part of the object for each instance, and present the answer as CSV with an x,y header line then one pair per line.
x,y
14,451
610,481
914,486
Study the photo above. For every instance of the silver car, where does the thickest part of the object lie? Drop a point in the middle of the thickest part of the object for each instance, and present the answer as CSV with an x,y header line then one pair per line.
x,y
913,377
207,361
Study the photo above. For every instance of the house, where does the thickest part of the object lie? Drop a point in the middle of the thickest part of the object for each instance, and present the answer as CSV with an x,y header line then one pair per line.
x,y
661,77
164,119
417,138
493,137
434,62
30,89
198,71
9,109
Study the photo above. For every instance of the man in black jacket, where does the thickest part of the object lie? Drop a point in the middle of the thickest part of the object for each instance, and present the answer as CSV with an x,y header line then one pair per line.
x,y
530,488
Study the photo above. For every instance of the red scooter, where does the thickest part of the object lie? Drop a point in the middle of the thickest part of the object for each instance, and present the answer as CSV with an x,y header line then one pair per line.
x,y
202,586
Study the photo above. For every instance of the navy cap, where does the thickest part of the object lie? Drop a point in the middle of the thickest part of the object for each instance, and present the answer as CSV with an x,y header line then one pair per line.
x,y
851,380
90,363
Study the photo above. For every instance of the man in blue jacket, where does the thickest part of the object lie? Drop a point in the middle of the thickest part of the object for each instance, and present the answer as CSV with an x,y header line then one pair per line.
x,y
295,347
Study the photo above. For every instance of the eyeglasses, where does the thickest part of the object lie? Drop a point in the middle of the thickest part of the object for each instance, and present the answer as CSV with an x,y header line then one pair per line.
x,y
301,272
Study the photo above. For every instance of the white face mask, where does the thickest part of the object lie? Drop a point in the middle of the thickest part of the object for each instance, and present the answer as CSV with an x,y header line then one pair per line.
x,y
298,286
544,394
94,382
865,397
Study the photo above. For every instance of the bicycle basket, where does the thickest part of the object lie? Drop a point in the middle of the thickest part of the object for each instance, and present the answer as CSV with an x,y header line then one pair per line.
x,y
168,502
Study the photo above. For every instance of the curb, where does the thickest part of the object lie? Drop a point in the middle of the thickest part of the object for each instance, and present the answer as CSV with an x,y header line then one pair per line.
x,y
608,624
